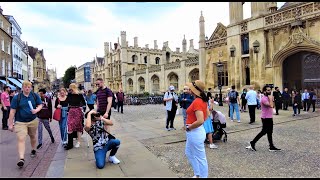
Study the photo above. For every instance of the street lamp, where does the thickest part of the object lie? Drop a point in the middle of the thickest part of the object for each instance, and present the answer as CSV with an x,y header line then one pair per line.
x,y
220,70
256,46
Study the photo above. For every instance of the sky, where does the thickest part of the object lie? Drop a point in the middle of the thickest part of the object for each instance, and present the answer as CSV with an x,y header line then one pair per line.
x,y
73,33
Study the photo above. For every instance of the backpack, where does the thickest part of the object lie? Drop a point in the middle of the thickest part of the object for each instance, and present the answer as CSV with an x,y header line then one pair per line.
x,y
233,96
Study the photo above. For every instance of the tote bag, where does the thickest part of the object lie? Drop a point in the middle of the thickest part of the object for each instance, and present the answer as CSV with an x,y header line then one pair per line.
x,y
57,113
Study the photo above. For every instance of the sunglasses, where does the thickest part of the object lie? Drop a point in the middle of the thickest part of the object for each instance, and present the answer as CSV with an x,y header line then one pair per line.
x,y
97,84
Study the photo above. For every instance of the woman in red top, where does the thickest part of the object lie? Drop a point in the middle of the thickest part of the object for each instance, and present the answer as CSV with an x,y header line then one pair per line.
x,y
196,114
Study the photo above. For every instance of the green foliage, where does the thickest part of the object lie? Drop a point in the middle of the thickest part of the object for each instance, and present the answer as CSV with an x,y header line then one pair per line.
x,y
69,75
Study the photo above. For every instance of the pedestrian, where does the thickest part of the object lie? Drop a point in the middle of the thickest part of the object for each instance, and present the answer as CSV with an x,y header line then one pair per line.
x,y
5,101
101,139
12,94
251,97
267,120
277,99
120,98
259,96
90,98
114,102
296,104
234,103
305,99
228,101
209,95
45,117
286,99
24,108
75,117
208,126
197,113
171,99
243,101
185,100
104,99
312,100
61,102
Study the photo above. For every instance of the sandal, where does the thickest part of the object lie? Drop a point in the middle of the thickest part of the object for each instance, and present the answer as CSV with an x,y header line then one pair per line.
x,y
20,163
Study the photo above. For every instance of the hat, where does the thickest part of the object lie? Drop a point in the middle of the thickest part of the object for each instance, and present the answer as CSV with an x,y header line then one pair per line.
x,y
171,88
196,87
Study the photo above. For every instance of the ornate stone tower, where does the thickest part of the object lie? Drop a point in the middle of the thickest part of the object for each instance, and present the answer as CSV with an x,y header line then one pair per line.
x,y
123,58
259,8
202,50
184,44
235,12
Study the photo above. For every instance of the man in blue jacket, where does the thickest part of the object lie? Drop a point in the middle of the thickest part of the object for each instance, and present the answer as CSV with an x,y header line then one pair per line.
x,y
185,100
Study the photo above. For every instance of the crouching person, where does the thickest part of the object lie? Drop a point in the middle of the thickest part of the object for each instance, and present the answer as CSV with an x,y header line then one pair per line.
x,y
103,142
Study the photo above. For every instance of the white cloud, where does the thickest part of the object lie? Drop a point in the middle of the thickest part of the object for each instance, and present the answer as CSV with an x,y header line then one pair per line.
x,y
76,43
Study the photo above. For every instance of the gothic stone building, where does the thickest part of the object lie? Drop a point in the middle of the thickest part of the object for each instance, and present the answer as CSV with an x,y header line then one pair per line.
x,y
273,46
143,69
40,79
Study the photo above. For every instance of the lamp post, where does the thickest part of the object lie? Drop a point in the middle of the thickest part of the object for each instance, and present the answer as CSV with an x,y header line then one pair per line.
x,y
220,70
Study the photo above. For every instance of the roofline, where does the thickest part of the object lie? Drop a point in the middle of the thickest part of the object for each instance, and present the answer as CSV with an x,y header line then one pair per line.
x,y
15,22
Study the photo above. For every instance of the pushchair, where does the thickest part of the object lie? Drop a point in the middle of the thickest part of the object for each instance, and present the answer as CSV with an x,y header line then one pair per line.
x,y
219,122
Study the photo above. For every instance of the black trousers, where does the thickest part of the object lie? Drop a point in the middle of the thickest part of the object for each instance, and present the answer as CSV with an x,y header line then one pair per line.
x,y
5,116
120,105
278,106
252,112
267,128
91,106
170,117
286,104
305,104
313,102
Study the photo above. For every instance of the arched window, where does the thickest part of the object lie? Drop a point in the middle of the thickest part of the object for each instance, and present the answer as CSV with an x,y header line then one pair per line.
x,y
146,59
157,60
134,58
168,57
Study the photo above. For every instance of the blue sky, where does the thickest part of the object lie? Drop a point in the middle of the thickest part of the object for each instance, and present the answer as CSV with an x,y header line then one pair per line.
x,y
72,33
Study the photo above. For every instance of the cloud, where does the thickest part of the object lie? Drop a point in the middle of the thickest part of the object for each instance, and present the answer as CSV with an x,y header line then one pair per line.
x,y
73,33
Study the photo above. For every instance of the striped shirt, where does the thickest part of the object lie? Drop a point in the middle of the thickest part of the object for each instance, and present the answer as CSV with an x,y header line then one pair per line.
x,y
102,97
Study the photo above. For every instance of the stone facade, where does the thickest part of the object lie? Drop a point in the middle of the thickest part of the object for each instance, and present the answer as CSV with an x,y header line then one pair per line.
x,y
5,45
41,79
144,69
253,50
83,75
52,75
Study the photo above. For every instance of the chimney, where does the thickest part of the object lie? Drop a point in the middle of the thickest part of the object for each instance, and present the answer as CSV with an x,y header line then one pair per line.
x,y
155,44
147,46
135,41
178,50
191,44
115,46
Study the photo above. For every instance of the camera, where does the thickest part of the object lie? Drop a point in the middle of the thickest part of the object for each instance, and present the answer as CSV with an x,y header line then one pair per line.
x,y
97,114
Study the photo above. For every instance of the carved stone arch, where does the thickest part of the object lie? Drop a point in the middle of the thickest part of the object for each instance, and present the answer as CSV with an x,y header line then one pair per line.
x,y
130,85
155,80
173,79
193,75
141,84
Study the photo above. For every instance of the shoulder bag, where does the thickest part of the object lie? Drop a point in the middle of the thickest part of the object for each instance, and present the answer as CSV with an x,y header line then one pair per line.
x,y
57,113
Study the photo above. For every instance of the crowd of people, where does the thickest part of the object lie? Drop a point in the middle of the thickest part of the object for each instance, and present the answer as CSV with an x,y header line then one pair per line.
x,y
26,112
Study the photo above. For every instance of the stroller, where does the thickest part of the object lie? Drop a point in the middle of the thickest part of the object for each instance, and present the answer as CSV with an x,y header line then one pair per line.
x,y
219,122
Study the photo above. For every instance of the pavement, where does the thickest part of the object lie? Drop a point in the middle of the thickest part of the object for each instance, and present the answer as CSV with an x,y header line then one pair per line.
x,y
147,149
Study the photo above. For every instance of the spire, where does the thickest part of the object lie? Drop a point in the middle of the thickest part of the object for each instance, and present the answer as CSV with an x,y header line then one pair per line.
x,y
201,19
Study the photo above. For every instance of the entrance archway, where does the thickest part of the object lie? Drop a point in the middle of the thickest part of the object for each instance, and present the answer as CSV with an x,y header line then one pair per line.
x,y
301,70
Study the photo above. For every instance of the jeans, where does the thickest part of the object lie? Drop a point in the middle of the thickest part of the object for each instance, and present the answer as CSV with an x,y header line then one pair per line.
x,y
267,128
295,108
184,114
63,124
120,106
234,107
46,124
252,112
5,117
100,155
195,151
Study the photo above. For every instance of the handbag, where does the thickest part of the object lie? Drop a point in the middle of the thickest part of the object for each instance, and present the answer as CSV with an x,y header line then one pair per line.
x,y
57,113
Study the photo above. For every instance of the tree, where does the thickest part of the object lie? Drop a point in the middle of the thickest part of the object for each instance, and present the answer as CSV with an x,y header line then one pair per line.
x,y
69,75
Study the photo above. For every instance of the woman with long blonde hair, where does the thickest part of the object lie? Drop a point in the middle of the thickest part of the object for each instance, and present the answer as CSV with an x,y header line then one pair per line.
x,y
61,102
75,102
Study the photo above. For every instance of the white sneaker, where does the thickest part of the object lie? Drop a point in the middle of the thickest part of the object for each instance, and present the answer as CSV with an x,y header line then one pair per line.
x,y
114,160
239,121
213,146
77,145
115,110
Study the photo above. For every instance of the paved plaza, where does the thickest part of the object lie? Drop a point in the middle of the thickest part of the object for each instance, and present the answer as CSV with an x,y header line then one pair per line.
x,y
148,150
